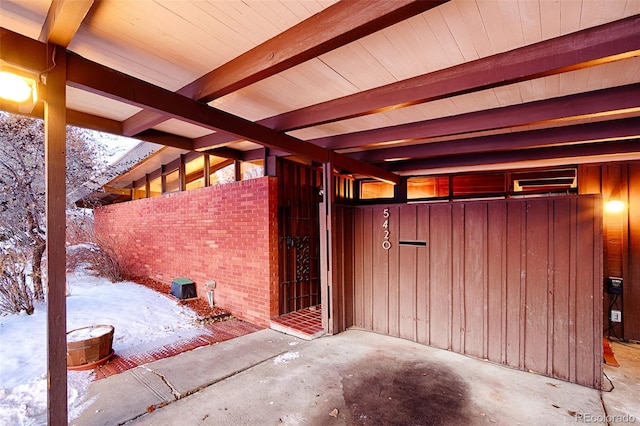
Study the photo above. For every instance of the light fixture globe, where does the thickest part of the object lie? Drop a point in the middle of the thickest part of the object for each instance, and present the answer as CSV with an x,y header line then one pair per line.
x,y
15,88
614,206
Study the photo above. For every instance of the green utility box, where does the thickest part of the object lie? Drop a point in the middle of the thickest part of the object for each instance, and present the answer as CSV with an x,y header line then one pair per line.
x,y
183,288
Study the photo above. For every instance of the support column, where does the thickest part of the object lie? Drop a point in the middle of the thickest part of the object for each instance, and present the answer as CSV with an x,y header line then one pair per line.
x,y
270,163
207,170
55,146
326,247
182,174
237,170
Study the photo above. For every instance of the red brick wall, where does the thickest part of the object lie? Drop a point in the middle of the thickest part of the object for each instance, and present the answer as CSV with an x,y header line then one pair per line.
x,y
227,233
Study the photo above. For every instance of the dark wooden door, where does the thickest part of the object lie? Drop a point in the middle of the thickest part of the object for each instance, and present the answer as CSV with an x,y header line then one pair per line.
x,y
299,243
517,282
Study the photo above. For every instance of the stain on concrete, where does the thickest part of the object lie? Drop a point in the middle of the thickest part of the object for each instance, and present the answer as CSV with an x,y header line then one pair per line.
x,y
383,391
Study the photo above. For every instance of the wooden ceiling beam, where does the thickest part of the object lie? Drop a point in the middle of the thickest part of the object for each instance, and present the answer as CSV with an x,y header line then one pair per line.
x,y
224,152
333,27
589,47
485,146
166,139
93,122
114,127
63,20
548,110
96,78
337,25
112,190
559,154
346,163
593,46
262,153
23,52
74,118
214,140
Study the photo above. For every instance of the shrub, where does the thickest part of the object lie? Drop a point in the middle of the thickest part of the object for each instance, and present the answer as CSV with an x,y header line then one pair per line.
x,y
88,252
16,294
95,258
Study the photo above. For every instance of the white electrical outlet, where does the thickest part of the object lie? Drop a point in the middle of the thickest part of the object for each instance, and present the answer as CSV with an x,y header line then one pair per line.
x,y
616,316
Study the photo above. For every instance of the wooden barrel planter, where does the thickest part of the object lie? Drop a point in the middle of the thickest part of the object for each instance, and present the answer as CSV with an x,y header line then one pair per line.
x,y
89,347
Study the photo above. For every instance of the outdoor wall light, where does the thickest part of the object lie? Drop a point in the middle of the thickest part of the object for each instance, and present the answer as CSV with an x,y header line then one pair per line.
x,y
19,88
614,206
16,88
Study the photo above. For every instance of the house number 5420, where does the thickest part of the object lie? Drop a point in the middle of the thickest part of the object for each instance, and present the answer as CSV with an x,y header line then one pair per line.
x,y
386,244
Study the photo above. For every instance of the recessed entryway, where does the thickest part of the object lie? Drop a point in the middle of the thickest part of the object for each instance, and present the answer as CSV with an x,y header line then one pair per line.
x,y
304,324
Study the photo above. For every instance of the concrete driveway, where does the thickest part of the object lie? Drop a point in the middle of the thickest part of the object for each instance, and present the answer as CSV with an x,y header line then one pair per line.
x,y
356,377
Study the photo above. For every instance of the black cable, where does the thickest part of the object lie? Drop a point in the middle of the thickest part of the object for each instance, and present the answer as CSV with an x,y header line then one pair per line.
x,y
610,382
627,343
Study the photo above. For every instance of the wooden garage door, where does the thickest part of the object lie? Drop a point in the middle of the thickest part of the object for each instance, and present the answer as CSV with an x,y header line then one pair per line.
x,y
518,282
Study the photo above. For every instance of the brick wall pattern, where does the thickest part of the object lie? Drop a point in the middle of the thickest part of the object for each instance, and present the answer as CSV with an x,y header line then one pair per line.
x,y
227,233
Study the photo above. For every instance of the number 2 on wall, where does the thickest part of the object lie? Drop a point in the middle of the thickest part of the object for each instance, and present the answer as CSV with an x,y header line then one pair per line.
x,y
386,244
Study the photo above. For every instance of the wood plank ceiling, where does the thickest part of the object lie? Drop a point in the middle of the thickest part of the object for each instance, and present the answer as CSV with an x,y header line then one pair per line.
x,y
381,88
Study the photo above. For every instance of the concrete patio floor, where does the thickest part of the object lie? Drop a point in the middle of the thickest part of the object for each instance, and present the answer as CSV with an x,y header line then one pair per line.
x,y
356,377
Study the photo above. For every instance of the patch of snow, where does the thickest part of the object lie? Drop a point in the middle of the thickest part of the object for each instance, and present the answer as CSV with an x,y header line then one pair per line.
x,y
286,357
138,314
85,333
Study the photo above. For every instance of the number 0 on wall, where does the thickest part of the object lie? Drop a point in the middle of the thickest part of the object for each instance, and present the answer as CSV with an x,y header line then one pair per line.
x,y
386,244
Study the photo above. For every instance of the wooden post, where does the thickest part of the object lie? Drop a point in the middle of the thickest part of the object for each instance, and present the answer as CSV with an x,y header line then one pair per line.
x,y
207,170
326,247
182,174
237,170
55,145
270,163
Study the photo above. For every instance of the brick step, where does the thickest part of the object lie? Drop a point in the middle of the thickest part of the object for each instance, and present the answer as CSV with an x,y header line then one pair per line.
x,y
173,344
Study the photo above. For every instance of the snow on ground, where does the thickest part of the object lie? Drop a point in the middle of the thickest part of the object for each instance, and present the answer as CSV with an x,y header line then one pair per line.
x,y
286,357
138,314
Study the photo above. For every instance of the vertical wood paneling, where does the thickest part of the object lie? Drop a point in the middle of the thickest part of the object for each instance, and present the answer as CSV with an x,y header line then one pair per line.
x,y
368,265
621,237
586,320
496,282
394,276
594,207
514,281
589,179
535,355
457,310
380,275
549,280
440,268
615,241
358,268
343,272
475,250
348,275
408,273
573,285
408,292
514,332
625,183
423,284
632,284
560,287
